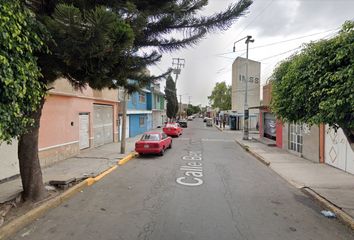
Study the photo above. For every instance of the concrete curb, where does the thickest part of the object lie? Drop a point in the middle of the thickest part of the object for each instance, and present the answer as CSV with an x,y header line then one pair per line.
x,y
22,221
341,215
219,128
127,158
15,225
257,156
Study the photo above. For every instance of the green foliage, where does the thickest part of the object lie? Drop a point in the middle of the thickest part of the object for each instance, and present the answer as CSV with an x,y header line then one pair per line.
x,y
89,46
192,109
221,96
92,39
20,88
171,97
317,85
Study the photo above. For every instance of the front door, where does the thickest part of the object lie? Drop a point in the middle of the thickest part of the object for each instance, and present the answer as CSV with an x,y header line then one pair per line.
x,y
295,137
84,123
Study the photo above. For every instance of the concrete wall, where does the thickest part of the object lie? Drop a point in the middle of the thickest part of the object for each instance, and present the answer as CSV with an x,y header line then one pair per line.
x,y
238,84
311,143
8,160
285,134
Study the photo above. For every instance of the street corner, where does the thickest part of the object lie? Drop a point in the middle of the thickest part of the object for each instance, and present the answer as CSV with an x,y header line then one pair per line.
x,y
127,158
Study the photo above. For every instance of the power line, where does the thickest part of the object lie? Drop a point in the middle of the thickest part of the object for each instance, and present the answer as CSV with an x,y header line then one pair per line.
x,y
258,15
279,54
283,41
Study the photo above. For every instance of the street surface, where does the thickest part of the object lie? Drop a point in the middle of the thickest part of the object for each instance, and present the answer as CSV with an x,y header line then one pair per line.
x,y
205,187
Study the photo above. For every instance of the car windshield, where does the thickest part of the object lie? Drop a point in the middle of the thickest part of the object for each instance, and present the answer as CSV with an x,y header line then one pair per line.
x,y
151,137
171,125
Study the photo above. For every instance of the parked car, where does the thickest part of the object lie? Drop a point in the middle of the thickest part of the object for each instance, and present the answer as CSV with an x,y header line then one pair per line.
x,y
209,122
153,143
173,129
183,123
190,118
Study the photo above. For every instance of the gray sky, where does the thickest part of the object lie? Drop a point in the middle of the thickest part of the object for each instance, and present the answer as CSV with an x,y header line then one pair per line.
x,y
291,22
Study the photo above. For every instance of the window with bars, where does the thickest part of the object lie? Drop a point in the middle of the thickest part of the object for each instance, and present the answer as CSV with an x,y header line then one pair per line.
x,y
142,97
295,137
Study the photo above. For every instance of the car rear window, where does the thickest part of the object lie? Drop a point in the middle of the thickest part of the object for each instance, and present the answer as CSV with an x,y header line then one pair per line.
x,y
151,137
171,125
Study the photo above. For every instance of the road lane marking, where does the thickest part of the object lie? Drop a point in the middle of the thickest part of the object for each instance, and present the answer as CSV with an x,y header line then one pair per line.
x,y
216,140
192,170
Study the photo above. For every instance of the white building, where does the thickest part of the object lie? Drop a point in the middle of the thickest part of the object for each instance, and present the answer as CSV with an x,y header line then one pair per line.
x,y
239,86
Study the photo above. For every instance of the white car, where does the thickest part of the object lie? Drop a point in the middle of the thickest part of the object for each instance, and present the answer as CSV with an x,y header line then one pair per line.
x,y
190,118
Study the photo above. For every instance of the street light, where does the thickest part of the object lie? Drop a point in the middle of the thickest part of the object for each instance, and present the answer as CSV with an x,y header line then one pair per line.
x,y
246,111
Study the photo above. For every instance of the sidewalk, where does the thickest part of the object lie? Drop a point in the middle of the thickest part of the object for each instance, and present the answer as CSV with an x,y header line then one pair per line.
x,y
88,163
334,185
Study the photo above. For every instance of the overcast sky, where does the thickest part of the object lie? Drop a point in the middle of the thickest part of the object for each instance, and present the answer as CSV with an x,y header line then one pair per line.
x,y
278,27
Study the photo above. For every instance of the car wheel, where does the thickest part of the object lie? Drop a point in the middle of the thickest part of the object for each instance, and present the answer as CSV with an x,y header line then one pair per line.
x,y
162,152
169,147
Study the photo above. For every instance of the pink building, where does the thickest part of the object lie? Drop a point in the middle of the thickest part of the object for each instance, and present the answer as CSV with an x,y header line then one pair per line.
x,y
75,120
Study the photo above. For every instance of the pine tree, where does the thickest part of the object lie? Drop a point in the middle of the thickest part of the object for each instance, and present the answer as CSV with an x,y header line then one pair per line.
x,y
92,42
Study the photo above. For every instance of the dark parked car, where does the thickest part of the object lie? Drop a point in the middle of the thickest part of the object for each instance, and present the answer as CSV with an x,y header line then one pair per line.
x,y
183,123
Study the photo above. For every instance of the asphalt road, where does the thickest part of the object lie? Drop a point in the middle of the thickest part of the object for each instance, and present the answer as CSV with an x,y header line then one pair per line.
x,y
205,187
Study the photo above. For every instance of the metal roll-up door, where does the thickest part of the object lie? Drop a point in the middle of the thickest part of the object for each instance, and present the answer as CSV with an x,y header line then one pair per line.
x,y
102,124
269,126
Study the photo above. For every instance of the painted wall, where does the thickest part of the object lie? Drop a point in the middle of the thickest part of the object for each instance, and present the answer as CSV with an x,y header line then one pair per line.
x,y
8,160
59,126
311,143
135,104
135,128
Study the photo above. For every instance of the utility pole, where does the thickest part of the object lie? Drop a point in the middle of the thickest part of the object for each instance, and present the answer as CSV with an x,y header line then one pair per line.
x,y
124,122
189,100
180,106
246,110
177,65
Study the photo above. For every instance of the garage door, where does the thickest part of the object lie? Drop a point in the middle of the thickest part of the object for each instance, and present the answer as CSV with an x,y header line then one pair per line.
x,y
102,124
84,131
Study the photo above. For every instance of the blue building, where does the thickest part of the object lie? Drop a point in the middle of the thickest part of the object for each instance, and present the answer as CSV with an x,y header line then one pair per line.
x,y
156,103
139,117
145,110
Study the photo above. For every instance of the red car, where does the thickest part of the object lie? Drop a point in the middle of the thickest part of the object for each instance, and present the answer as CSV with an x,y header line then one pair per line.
x,y
173,129
153,143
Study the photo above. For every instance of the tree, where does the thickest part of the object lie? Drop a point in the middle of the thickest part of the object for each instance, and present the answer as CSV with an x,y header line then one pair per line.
x,y
171,97
21,93
93,42
221,96
317,85
192,109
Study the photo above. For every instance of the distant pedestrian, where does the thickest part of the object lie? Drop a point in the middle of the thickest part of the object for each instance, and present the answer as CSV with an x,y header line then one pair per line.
x,y
257,126
223,123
